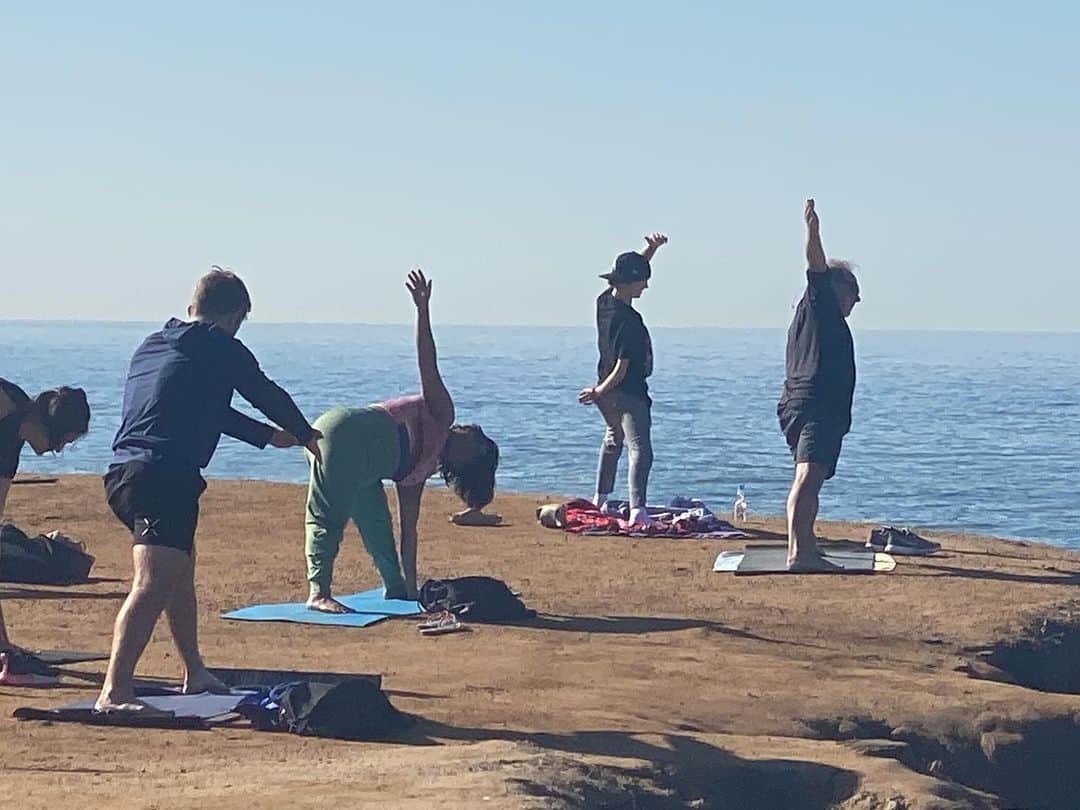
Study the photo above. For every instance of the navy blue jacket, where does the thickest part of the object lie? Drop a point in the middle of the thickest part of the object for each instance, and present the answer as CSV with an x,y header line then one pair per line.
x,y
178,398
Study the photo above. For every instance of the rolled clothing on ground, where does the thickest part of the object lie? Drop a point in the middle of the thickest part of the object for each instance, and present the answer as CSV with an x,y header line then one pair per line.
x,y
677,521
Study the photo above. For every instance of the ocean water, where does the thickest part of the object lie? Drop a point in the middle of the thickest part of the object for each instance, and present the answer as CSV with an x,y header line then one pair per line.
x,y
970,431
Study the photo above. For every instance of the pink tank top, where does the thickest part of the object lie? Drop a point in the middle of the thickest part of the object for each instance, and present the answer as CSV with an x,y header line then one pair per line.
x,y
426,436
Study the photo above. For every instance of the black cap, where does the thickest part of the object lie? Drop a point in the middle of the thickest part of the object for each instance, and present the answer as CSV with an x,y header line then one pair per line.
x,y
629,267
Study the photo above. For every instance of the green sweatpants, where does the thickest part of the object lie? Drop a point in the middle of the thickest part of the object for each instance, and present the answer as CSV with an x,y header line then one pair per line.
x,y
360,448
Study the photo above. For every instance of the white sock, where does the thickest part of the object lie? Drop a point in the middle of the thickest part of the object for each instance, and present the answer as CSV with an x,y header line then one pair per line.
x,y
599,500
640,516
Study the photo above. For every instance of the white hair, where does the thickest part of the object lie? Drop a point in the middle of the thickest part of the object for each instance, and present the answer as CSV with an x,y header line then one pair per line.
x,y
844,269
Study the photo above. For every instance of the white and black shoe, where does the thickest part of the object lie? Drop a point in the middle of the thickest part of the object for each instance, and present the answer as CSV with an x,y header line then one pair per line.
x,y
615,509
901,541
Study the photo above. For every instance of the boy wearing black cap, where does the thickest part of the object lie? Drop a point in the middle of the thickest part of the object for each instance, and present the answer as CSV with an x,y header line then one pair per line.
x,y
626,361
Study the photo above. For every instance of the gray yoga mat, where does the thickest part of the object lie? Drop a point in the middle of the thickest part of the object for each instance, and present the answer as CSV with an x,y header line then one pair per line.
x,y
190,712
273,677
58,657
91,718
773,560
203,705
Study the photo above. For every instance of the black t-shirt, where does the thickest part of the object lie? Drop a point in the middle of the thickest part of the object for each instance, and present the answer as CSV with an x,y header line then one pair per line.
x,y
621,333
820,355
10,443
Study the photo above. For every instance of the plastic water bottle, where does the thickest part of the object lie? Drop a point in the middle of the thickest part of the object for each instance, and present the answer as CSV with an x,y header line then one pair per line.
x,y
738,509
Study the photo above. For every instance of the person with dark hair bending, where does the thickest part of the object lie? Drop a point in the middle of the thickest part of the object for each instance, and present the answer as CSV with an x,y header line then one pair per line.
x,y
177,403
622,393
815,407
48,422
404,440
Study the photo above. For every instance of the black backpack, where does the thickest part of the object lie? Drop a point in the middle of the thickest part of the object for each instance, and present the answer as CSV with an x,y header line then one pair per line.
x,y
353,709
41,560
478,599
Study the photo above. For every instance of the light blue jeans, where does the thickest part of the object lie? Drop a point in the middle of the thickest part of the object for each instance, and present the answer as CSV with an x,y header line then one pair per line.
x,y
629,420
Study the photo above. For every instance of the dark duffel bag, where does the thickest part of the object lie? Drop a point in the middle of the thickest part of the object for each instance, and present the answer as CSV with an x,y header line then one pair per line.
x,y
355,709
478,599
41,560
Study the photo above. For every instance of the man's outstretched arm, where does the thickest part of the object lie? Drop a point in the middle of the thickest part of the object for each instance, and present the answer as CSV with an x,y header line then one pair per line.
x,y
815,253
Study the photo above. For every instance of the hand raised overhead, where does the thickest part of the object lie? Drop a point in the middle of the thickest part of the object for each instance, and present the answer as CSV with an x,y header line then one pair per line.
x,y
419,288
652,244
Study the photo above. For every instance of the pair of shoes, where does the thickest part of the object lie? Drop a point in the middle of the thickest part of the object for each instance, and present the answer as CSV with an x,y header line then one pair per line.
x,y
440,624
474,517
902,541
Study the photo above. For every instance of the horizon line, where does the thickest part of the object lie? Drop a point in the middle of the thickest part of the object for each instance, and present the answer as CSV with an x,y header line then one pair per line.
x,y
107,321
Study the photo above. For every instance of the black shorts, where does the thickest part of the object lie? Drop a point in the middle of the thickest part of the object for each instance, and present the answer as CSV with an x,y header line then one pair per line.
x,y
159,507
812,439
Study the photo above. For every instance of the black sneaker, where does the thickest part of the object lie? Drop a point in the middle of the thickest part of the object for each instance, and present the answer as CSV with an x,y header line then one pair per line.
x,y
903,541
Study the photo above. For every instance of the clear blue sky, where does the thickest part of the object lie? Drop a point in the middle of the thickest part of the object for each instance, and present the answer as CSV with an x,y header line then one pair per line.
x,y
513,149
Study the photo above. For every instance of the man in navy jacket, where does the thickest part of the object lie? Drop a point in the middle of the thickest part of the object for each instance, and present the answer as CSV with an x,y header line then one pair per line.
x,y
177,403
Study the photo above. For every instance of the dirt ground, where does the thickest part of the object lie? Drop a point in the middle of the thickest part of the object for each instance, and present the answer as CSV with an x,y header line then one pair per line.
x,y
647,681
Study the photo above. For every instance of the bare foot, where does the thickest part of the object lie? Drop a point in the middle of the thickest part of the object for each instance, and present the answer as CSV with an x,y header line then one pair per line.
x,y
474,517
108,705
326,604
811,564
204,681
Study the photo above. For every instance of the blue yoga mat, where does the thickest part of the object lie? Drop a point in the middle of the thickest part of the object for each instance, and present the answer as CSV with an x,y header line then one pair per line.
x,y
370,607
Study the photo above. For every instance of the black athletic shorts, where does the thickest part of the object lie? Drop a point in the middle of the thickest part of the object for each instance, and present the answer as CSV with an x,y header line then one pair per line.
x,y
159,507
812,439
